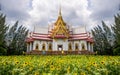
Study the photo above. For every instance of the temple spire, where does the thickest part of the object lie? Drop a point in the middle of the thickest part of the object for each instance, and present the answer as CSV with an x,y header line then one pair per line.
x,y
60,11
60,27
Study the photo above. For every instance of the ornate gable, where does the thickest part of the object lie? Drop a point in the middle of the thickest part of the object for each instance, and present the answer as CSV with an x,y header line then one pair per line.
x,y
60,28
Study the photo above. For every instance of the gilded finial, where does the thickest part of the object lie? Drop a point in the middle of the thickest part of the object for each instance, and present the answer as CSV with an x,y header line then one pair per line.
x,y
60,27
60,11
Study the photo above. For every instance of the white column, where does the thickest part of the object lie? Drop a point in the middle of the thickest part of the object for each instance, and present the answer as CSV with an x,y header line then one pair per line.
x,y
46,46
79,46
92,47
65,44
40,46
34,45
54,45
30,46
72,44
85,43
27,47
89,46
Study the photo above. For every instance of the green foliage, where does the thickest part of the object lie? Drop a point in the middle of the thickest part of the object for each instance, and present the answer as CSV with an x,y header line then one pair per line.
x,y
3,29
16,39
60,65
116,51
103,38
116,30
12,40
107,40
3,51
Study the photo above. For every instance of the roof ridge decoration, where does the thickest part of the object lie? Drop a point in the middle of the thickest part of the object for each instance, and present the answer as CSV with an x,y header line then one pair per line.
x,y
60,27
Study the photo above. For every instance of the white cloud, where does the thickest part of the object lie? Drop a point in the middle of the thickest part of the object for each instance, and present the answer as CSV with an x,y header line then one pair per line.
x,y
75,12
15,10
104,10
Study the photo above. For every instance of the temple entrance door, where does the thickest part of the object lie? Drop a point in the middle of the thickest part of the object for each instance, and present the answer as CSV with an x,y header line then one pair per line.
x,y
60,47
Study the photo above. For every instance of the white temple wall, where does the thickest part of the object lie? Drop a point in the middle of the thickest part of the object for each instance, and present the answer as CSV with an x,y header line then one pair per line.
x,y
40,44
89,47
43,30
34,44
62,42
46,45
28,47
80,45
80,29
83,42
49,42
55,43
65,45
72,44
76,41
80,42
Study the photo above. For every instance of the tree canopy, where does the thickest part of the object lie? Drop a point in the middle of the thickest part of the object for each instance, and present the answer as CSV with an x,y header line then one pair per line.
x,y
12,39
116,30
3,29
107,37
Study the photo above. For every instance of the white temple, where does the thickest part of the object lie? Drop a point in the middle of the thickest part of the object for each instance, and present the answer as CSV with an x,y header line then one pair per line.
x,y
59,36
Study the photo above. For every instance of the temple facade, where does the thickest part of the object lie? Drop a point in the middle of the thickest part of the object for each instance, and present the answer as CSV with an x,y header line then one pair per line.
x,y
59,36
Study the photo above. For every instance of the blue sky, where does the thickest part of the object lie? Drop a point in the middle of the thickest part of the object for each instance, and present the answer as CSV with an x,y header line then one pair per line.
x,y
75,12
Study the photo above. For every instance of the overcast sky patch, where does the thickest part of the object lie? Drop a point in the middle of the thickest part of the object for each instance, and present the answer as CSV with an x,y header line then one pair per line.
x,y
75,12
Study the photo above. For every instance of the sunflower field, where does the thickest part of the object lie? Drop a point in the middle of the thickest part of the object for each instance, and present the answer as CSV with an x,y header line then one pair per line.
x,y
60,65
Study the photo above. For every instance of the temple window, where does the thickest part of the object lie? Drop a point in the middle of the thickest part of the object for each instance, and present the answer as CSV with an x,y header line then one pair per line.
x,y
50,46
37,47
70,46
43,46
76,46
83,46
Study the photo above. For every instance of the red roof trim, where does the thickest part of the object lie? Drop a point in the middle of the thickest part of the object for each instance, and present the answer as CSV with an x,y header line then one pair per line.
x,y
50,31
40,33
79,34
43,39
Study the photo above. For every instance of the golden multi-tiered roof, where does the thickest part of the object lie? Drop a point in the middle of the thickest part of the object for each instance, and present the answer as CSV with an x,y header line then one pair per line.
x,y
60,27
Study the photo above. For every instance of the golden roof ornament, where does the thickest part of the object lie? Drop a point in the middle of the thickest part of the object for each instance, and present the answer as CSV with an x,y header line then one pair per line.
x,y
60,27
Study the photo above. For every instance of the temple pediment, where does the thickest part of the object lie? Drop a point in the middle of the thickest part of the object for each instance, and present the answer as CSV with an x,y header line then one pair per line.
x,y
60,27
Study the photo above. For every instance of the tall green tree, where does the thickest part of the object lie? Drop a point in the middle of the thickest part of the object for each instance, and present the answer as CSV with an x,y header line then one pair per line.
x,y
108,39
103,38
16,39
97,33
116,30
10,39
3,29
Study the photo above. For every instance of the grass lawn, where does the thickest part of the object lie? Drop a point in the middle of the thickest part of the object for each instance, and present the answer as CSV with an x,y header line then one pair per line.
x,y
60,65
